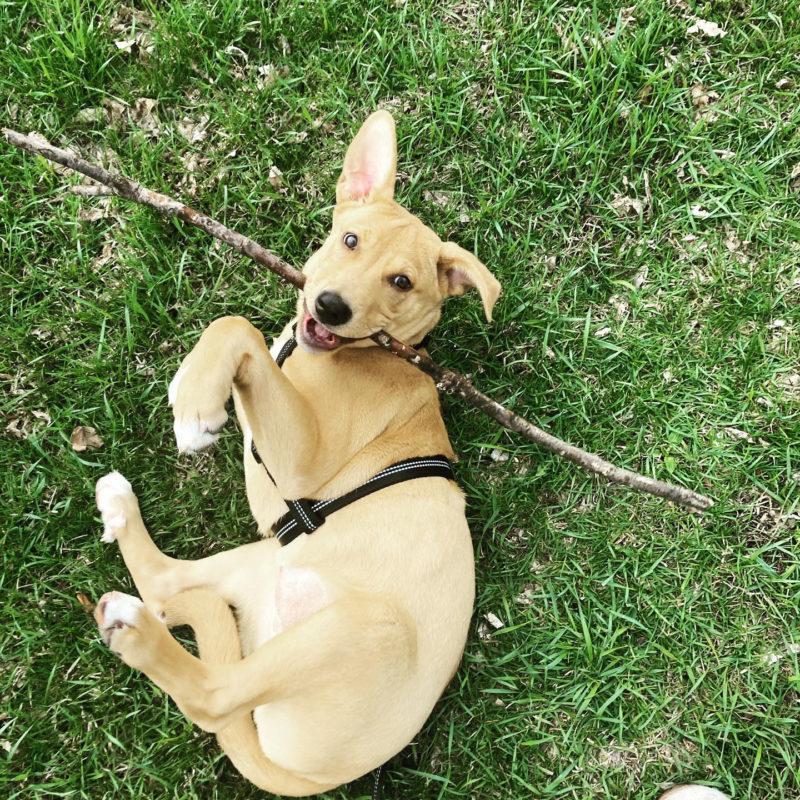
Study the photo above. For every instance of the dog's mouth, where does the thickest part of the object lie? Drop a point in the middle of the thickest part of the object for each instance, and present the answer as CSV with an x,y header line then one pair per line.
x,y
316,336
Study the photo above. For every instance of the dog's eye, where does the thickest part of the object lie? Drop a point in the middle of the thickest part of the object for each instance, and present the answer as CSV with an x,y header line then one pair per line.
x,y
401,282
350,241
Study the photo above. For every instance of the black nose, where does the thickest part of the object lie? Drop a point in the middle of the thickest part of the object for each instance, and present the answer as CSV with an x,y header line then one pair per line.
x,y
332,309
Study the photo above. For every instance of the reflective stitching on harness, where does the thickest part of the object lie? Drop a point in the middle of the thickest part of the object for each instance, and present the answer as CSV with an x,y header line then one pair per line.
x,y
301,511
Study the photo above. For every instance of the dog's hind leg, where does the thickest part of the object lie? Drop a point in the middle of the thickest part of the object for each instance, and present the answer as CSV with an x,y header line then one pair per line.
x,y
159,577
357,641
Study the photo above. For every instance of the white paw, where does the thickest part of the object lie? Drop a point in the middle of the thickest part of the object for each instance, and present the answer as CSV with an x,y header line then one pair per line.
x,y
116,611
109,490
197,434
172,391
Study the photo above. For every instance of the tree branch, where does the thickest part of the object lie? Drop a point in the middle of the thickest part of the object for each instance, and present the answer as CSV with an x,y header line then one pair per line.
x,y
447,380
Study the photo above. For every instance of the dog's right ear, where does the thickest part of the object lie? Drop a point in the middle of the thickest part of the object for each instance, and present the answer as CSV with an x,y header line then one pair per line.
x,y
371,162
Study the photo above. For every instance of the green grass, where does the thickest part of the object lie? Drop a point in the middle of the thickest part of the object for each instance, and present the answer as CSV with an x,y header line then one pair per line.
x,y
642,645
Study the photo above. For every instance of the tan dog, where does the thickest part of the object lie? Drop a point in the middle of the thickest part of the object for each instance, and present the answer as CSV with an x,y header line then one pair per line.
x,y
349,635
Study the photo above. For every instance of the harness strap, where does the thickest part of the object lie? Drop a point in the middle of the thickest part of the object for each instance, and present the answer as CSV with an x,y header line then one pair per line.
x,y
305,516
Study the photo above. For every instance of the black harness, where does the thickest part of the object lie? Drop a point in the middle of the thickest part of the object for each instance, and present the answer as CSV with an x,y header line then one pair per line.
x,y
306,515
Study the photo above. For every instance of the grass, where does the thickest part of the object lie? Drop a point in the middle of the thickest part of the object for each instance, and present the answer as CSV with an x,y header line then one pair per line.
x,y
641,645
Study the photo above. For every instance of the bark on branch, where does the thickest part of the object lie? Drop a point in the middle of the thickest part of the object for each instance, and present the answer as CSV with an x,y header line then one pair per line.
x,y
447,380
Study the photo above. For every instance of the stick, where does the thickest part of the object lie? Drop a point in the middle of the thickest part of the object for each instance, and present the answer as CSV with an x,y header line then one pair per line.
x,y
447,380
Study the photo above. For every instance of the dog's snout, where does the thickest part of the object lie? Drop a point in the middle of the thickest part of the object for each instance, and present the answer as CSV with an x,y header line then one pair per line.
x,y
332,309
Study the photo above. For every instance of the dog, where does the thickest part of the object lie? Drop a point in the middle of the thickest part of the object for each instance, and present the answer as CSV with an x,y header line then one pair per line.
x,y
344,639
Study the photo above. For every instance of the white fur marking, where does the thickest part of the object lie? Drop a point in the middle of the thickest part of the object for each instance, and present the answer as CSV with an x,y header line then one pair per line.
x,y
119,610
172,391
194,435
112,527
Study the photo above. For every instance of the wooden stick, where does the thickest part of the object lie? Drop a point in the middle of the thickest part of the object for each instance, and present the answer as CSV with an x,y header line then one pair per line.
x,y
447,380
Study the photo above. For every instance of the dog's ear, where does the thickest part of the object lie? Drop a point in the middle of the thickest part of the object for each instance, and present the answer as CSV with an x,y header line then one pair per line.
x,y
371,162
459,270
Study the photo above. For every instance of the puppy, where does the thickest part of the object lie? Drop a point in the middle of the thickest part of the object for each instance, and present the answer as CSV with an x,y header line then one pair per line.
x,y
351,632
344,636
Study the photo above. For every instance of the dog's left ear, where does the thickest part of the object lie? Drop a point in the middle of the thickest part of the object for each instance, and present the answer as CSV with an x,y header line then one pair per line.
x,y
459,270
370,165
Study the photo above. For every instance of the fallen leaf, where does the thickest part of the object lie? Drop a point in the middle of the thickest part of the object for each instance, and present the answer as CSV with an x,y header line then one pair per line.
x,y
267,75
86,603
698,212
794,176
620,305
740,435
709,29
441,199
275,177
494,620
784,83
702,96
499,456
18,427
143,116
627,206
194,130
602,333
85,438
116,112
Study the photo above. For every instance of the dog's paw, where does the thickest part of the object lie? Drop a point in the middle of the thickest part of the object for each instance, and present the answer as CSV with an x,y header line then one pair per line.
x,y
193,435
195,429
112,493
115,612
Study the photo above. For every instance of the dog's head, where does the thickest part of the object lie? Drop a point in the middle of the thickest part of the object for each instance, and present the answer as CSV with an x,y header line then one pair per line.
x,y
381,268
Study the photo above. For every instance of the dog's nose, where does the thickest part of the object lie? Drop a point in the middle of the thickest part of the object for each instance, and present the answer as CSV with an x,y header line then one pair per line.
x,y
332,309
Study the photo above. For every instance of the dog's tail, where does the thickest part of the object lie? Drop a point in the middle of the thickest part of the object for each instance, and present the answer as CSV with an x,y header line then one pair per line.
x,y
214,626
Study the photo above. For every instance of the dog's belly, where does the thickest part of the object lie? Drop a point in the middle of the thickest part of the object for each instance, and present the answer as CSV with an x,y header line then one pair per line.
x,y
280,596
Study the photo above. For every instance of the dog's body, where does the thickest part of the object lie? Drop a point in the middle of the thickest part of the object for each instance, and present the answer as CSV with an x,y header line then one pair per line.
x,y
349,635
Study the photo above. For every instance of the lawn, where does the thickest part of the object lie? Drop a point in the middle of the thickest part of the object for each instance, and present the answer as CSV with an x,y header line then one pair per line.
x,y
634,182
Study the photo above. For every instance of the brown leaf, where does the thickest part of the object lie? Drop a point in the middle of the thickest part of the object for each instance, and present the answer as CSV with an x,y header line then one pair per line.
x,y
85,438
86,603
143,116
194,130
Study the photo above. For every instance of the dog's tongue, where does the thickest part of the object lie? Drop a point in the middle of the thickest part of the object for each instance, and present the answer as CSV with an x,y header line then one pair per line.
x,y
318,334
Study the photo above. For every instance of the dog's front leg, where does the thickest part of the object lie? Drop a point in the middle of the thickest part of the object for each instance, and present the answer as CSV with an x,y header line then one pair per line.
x,y
232,352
